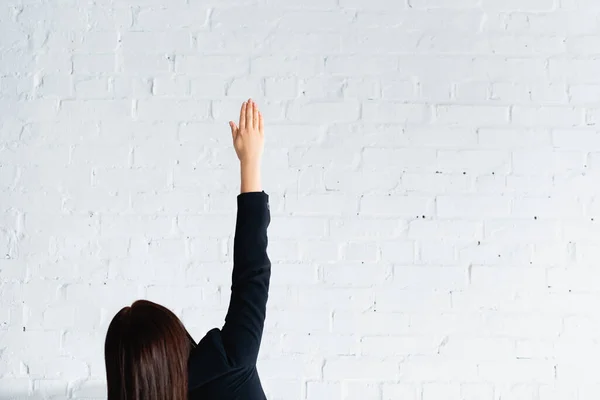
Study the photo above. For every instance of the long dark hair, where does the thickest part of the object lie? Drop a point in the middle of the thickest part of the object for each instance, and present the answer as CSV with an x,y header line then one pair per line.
x,y
146,354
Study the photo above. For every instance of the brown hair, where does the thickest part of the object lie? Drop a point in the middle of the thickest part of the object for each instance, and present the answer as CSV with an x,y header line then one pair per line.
x,y
146,354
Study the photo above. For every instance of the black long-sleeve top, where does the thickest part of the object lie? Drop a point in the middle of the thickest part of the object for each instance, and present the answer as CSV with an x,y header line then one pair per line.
x,y
223,364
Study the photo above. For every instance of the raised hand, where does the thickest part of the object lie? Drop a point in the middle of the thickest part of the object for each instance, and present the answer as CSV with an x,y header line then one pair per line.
x,y
248,141
248,138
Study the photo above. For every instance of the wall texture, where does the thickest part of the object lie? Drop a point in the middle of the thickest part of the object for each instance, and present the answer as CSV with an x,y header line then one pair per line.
x,y
433,167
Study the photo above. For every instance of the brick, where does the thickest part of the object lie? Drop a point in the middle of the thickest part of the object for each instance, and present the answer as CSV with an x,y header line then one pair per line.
x,y
171,18
411,160
323,111
518,371
547,116
400,391
351,368
436,368
217,65
169,110
94,63
287,66
473,207
514,138
430,277
369,323
360,181
395,112
546,161
483,115
402,206
354,65
356,274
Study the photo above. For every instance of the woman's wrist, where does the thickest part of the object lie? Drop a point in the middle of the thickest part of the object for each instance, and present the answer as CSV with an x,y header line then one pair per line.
x,y
250,176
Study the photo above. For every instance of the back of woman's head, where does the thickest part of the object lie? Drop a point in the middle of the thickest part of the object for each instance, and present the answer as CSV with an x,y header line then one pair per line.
x,y
146,354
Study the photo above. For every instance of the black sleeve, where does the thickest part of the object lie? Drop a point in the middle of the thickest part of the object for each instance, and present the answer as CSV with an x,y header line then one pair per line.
x,y
244,323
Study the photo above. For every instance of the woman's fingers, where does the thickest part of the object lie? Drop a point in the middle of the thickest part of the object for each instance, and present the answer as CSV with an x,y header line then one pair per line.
x,y
261,124
255,118
249,114
243,116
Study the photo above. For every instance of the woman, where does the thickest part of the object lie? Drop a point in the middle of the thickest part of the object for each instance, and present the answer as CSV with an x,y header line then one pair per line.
x,y
149,355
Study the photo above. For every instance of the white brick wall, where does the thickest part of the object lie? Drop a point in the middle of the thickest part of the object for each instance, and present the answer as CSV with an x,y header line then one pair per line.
x,y
433,166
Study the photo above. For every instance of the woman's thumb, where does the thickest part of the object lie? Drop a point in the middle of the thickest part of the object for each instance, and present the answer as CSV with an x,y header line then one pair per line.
x,y
233,127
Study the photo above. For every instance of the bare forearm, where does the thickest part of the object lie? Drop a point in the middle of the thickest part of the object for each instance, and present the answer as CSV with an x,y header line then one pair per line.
x,y
251,180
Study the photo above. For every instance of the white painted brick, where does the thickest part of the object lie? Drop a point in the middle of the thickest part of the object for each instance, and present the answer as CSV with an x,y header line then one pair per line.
x,y
412,300
304,44
397,346
412,160
437,368
380,41
444,278
326,344
143,64
339,299
519,371
295,321
473,161
92,88
471,115
473,207
324,390
354,65
365,228
286,87
323,112
398,252
400,206
521,231
147,42
319,249
436,182
395,112
360,251
356,274
436,137
287,66
513,138
360,390
526,45
169,110
547,116
536,161
94,63
171,18
584,279
547,207
398,90
477,391
365,368
452,231
370,323
360,181
479,348
399,391
507,278
574,70
450,391
199,65
509,92
583,94
437,252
